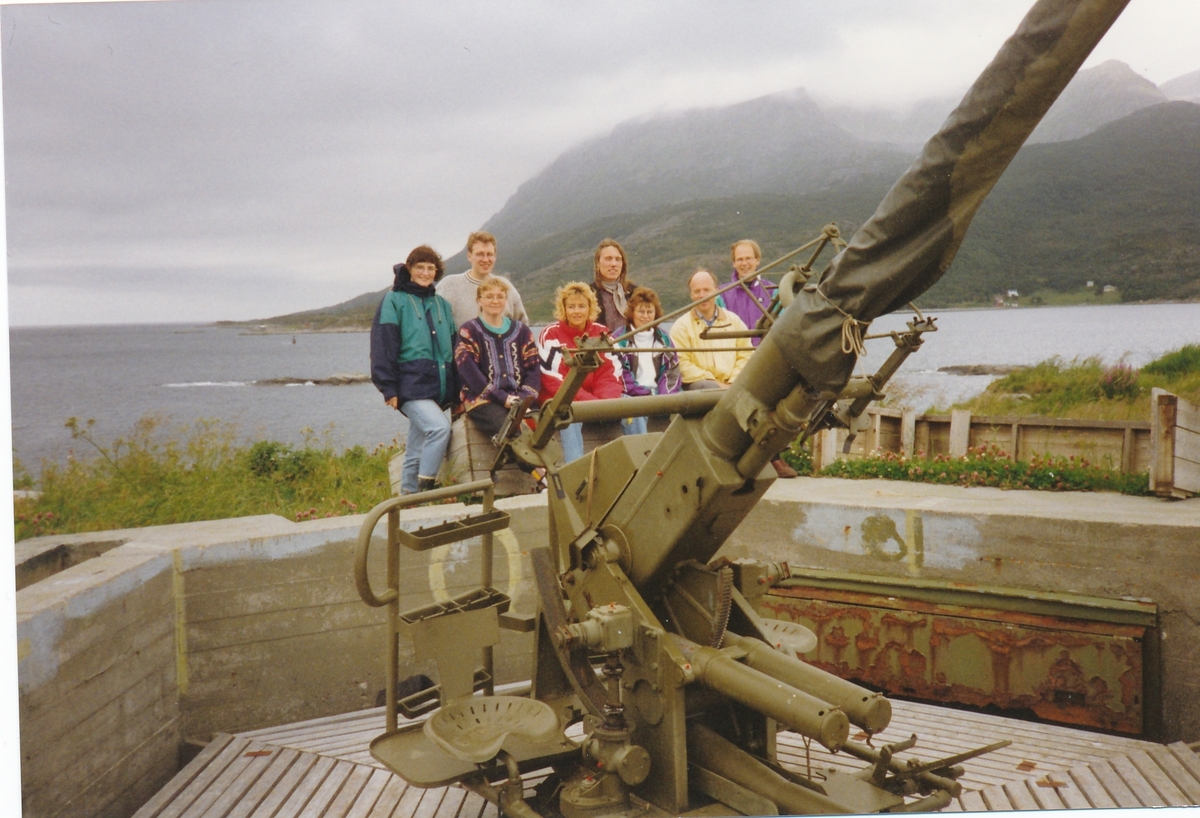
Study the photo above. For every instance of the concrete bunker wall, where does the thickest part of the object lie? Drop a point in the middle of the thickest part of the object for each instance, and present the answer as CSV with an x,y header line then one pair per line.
x,y
187,630
1095,544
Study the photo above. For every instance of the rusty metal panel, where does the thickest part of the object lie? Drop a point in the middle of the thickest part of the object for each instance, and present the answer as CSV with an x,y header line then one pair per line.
x,y
1062,669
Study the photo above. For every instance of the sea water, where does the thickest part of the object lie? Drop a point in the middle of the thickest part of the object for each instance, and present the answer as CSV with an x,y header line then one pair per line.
x,y
180,374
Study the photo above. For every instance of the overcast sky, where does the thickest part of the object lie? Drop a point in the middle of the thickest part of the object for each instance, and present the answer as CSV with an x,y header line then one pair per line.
x,y
194,161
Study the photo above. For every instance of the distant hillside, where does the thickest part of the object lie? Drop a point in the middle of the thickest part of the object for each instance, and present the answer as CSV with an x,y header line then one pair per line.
x,y
781,144
1185,88
909,127
1094,98
357,312
1118,207
666,244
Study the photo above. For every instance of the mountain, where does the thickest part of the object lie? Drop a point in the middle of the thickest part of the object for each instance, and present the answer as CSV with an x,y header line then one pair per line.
x,y
778,144
1094,98
1119,206
666,244
910,126
357,312
1186,88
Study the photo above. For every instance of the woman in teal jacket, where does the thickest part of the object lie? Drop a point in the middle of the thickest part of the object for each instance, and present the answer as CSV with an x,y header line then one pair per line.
x,y
412,363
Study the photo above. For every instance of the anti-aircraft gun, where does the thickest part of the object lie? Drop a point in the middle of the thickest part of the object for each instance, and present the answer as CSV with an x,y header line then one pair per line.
x,y
674,682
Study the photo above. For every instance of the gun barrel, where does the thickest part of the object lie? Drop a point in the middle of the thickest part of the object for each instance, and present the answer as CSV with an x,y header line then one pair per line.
x,y
681,403
800,711
866,709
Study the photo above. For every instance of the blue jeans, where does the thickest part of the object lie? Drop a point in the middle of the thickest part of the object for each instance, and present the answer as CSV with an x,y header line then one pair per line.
x,y
571,439
633,426
425,448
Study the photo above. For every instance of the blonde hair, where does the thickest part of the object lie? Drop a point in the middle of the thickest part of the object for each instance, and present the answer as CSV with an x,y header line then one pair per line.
x,y
753,246
491,283
572,289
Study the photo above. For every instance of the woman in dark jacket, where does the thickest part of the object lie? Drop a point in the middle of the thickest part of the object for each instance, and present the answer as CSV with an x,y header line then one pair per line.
x,y
412,364
611,286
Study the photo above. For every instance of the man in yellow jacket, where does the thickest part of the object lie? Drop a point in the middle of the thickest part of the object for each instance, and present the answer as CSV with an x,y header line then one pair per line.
x,y
716,369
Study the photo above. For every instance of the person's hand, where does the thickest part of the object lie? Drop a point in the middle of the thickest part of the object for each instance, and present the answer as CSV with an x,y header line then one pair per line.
x,y
509,401
394,403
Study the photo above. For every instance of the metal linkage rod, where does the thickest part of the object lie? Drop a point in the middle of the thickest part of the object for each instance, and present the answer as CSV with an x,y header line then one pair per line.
x,y
822,240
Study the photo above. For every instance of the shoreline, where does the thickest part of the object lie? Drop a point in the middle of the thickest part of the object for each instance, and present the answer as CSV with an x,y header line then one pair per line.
x,y
253,328
245,328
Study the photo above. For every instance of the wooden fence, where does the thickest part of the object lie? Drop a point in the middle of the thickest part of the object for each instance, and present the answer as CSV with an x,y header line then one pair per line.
x,y
1175,465
1118,444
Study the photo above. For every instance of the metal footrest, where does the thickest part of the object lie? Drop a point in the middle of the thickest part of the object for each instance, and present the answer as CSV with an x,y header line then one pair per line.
x,y
453,531
471,601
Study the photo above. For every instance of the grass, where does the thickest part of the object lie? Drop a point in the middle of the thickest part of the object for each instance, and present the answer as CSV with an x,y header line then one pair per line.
x,y
991,466
1087,389
155,476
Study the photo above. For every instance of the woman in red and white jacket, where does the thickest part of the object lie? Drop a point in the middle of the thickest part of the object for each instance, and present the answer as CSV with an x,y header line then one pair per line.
x,y
576,309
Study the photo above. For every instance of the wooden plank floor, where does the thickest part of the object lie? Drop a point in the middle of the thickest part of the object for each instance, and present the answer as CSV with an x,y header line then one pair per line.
x,y
323,769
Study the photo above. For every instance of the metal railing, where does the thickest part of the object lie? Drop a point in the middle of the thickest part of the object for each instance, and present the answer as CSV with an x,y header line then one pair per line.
x,y
454,531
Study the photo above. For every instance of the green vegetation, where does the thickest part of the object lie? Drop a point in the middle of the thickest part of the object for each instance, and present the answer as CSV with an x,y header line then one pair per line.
x,y
1117,207
152,478
1084,389
1088,389
1070,298
990,466
1178,364
799,456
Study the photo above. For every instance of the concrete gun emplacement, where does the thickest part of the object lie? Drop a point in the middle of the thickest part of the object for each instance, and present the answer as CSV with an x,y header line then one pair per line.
x,y
673,682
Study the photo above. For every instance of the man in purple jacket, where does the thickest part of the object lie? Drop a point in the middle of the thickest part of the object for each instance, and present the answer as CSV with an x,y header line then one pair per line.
x,y
751,300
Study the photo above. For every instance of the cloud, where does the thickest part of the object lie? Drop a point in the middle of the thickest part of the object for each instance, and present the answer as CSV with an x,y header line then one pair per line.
x,y
316,142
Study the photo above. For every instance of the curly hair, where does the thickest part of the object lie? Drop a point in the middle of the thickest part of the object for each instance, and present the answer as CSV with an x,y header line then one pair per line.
x,y
425,253
421,253
570,289
640,296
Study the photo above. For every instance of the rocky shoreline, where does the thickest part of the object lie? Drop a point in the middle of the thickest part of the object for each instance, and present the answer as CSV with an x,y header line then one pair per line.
x,y
345,379
268,330
980,369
